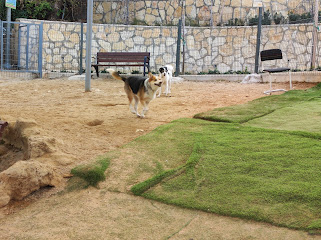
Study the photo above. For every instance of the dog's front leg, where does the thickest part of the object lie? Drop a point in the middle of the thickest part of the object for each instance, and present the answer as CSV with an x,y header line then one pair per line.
x,y
145,109
167,88
169,84
159,90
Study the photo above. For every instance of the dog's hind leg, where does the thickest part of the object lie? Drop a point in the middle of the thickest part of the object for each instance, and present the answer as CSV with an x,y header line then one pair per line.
x,y
130,99
136,106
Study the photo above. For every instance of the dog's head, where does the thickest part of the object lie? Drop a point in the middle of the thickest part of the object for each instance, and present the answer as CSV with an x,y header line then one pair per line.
x,y
163,71
154,81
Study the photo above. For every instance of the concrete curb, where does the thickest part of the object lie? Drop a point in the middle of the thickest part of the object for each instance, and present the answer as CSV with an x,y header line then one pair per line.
x,y
311,76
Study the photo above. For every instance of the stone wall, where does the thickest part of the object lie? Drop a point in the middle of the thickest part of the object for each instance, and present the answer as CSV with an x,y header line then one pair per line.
x,y
205,48
200,12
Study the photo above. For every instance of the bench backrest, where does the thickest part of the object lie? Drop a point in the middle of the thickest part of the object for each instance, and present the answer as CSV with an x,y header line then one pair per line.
x,y
271,54
122,56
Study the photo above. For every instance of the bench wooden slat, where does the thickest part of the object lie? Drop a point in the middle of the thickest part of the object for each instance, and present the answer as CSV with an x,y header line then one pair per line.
x,y
122,57
113,59
123,53
122,65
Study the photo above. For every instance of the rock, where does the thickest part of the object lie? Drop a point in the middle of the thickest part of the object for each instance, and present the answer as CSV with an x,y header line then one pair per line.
x,y
26,135
25,177
95,122
4,197
252,78
3,150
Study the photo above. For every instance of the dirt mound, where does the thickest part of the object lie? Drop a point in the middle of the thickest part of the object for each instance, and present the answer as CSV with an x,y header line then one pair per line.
x,y
27,161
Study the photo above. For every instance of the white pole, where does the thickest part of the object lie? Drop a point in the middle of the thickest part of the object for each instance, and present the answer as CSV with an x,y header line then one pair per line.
x,y
7,64
88,44
315,34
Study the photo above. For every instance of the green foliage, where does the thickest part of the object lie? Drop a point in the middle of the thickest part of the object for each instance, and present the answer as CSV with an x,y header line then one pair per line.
x,y
139,22
201,73
136,72
235,22
38,10
278,18
266,19
93,173
15,13
214,72
299,18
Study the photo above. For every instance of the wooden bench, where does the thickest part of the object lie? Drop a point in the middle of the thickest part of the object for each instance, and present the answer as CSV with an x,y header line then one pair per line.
x,y
137,59
3,124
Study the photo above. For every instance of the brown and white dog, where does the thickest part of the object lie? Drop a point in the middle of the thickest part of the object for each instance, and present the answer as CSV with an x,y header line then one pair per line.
x,y
140,89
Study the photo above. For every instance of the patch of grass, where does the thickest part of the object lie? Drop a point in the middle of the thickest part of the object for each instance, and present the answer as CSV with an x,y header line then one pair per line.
x,y
252,173
89,175
140,188
304,116
260,107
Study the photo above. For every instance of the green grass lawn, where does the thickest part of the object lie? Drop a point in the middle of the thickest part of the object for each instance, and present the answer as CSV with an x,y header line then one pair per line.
x,y
260,160
253,173
265,106
305,116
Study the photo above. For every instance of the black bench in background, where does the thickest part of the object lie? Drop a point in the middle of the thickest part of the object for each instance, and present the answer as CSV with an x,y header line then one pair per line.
x,y
130,59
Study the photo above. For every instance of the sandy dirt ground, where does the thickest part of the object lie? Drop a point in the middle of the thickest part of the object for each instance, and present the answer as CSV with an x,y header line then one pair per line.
x,y
88,124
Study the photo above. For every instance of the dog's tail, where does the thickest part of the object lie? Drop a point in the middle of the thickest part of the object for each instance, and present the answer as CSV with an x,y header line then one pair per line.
x,y
115,74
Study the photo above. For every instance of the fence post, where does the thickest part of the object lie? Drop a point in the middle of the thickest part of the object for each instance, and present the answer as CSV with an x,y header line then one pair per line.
x,y
81,46
258,41
178,51
88,44
1,45
40,49
8,32
315,34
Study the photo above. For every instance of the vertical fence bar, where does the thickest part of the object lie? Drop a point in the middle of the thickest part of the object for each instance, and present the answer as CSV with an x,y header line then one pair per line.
x,y
88,44
315,34
40,49
258,41
1,45
27,47
81,45
19,46
7,63
178,51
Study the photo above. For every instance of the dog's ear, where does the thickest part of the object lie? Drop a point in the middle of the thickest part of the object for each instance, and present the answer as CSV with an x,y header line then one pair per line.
x,y
150,74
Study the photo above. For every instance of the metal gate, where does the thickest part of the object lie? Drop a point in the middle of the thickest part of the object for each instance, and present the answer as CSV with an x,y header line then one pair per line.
x,y
21,47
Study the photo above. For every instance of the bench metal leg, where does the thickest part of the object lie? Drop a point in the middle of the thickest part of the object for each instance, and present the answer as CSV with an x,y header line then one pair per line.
x,y
290,80
145,61
96,68
271,90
